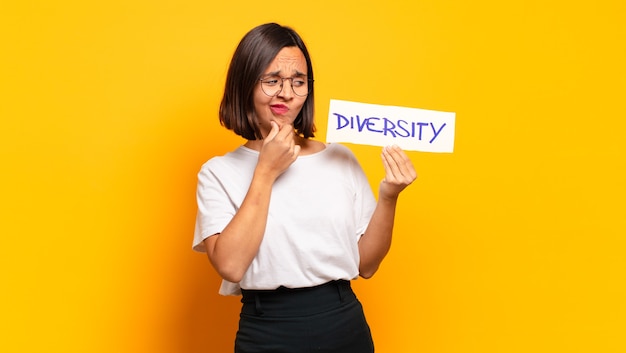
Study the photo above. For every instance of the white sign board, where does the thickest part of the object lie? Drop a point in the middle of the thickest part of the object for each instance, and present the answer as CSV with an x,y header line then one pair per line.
x,y
411,129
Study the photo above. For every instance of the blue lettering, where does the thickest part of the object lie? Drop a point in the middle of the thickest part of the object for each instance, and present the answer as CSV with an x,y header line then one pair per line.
x,y
388,126
403,129
361,123
370,124
436,132
421,125
341,119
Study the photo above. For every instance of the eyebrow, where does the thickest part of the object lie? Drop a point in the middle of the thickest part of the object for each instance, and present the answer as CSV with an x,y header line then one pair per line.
x,y
277,73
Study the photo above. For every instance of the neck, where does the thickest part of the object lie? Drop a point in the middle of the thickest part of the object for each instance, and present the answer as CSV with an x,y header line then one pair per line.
x,y
257,144
308,146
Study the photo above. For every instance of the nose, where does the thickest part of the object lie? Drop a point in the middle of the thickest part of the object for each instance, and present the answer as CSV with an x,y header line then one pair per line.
x,y
284,92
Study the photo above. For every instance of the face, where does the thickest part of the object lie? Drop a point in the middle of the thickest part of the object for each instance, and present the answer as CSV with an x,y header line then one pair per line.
x,y
284,107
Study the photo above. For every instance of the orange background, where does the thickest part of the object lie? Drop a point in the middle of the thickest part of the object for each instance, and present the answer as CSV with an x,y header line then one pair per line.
x,y
513,243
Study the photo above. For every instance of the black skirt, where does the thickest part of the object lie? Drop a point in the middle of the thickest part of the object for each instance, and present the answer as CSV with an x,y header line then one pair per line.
x,y
326,318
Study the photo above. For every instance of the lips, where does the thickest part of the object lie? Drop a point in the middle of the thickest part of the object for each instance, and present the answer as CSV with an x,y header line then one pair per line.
x,y
279,109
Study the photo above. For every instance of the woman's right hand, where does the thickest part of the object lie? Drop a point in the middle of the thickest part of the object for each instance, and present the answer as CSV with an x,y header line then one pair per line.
x,y
279,151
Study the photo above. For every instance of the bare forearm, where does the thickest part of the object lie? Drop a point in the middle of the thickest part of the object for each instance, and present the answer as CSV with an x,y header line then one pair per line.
x,y
376,241
232,251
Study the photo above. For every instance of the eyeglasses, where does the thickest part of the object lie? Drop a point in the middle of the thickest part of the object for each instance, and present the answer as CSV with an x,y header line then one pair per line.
x,y
273,85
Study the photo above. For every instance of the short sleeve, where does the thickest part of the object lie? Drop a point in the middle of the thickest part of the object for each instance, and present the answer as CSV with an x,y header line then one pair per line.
x,y
364,203
215,208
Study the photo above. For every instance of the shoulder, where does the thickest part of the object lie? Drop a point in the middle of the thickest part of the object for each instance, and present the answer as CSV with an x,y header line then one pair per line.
x,y
340,151
230,162
339,148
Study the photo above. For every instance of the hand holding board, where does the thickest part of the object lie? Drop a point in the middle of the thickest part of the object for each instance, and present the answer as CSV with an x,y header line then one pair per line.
x,y
378,125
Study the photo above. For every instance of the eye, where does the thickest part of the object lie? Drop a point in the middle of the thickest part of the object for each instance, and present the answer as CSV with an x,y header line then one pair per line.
x,y
298,82
271,81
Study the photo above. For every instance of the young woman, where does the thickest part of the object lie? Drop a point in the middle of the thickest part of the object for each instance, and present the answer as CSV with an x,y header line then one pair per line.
x,y
288,221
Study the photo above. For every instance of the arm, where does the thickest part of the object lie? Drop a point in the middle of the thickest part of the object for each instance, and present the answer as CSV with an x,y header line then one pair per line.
x,y
376,241
232,250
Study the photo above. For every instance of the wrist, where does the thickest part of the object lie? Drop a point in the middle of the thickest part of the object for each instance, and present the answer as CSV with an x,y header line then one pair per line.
x,y
264,176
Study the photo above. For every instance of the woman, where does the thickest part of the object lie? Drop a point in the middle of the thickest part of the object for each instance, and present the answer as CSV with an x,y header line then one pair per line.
x,y
288,221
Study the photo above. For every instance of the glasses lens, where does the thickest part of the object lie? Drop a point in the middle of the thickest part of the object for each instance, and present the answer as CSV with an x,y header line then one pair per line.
x,y
300,86
273,85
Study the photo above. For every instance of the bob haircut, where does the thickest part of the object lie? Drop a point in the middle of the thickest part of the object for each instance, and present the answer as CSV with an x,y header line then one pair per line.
x,y
255,52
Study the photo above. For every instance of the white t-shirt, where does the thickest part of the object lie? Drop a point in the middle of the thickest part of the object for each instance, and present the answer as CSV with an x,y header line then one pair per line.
x,y
319,208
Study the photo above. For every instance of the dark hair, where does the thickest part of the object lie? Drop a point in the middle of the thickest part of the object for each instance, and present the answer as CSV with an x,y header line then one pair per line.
x,y
255,52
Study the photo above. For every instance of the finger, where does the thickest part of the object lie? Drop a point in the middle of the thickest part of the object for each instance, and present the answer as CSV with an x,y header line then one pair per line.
x,y
285,131
397,154
392,170
403,163
273,132
408,170
296,151
388,172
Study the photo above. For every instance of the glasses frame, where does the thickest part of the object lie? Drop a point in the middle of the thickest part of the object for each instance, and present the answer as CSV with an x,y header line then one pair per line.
x,y
282,85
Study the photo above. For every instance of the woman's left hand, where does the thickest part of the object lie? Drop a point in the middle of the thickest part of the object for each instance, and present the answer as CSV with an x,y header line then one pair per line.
x,y
399,172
